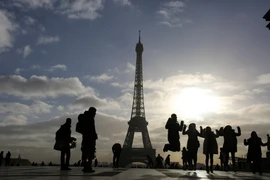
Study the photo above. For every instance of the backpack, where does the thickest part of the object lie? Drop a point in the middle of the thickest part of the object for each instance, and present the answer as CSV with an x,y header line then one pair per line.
x,y
79,125
58,146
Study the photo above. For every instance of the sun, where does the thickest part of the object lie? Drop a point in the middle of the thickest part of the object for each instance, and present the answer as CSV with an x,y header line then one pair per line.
x,y
194,102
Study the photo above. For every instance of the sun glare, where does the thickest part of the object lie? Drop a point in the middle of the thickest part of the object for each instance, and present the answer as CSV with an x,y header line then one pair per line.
x,y
194,102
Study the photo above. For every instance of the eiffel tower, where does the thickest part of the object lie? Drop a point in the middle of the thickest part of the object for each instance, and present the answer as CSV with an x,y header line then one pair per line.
x,y
137,121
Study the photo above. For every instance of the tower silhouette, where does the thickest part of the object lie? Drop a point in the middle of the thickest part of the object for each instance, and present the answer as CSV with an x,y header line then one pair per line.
x,y
137,121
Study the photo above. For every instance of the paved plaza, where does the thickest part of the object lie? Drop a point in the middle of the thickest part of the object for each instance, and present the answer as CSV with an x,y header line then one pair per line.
x,y
53,173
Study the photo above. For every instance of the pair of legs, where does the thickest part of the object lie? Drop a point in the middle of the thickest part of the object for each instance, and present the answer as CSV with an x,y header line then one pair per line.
x,y
7,162
116,157
185,164
174,146
226,162
65,161
192,159
88,154
221,164
257,165
207,156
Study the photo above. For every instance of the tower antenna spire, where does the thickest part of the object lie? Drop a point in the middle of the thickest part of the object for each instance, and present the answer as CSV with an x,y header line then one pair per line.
x,y
139,35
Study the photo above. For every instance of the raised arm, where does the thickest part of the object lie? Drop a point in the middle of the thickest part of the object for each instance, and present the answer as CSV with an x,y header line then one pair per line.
x,y
239,131
202,134
184,131
221,131
167,126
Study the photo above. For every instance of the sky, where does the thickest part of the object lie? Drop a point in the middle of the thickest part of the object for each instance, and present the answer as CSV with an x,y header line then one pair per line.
x,y
207,61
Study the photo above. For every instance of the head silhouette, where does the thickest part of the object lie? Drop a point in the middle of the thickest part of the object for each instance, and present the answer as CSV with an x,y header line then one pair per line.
x,y
192,126
92,111
208,129
68,121
173,116
253,134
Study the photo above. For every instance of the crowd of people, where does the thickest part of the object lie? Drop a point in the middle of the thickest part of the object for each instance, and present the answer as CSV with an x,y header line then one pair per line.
x,y
86,127
210,146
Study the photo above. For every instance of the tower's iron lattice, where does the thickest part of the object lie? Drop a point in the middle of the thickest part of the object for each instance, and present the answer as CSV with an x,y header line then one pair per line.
x,y
137,121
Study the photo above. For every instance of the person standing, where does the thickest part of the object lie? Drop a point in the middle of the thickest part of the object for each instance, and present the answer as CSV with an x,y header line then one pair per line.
x,y
116,149
7,159
63,140
230,144
167,161
1,157
89,137
254,155
193,144
210,146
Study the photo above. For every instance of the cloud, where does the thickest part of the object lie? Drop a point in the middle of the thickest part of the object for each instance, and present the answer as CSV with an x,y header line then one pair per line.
x,y
85,102
100,78
18,70
42,86
60,108
81,9
58,67
35,67
15,108
123,2
25,51
170,13
14,120
47,40
34,4
29,20
7,27
263,79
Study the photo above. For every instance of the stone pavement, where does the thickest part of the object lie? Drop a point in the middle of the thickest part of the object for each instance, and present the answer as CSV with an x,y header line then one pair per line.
x,y
53,173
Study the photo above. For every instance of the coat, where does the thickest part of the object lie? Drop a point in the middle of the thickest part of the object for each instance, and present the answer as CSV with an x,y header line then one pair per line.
x,y
210,145
193,143
173,130
254,148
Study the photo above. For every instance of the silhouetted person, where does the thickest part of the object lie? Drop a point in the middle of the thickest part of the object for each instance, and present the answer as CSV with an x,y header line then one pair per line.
x,y
79,163
185,158
7,158
221,158
167,161
42,163
89,137
217,167
1,157
116,149
96,162
64,139
193,144
173,134
230,144
50,164
254,155
210,146
159,161
150,163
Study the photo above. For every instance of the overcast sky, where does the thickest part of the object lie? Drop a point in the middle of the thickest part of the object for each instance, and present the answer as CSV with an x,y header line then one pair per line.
x,y
207,61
